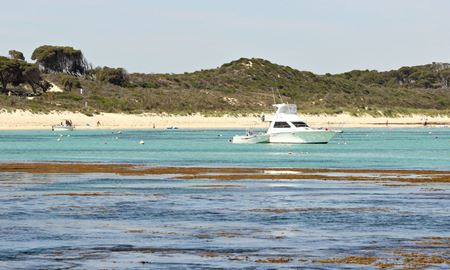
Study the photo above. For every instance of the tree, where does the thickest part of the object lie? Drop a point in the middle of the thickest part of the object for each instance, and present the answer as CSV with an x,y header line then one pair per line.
x,y
117,76
9,71
16,72
30,74
60,59
16,55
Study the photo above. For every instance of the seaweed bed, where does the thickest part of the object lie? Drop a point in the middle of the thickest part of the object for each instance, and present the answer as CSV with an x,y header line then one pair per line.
x,y
218,173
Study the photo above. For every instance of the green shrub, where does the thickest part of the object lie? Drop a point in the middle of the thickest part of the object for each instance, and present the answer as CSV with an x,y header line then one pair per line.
x,y
70,82
117,76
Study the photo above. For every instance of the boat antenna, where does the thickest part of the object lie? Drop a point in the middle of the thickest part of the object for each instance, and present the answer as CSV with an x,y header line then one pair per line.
x,y
279,95
273,95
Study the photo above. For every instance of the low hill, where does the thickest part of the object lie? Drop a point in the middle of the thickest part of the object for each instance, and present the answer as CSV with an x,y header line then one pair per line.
x,y
248,86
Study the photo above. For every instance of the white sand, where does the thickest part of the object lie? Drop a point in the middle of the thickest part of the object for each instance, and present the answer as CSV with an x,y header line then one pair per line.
x,y
27,120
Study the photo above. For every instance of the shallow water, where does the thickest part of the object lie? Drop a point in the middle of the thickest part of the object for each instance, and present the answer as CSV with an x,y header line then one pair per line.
x,y
421,148
100,220
106,221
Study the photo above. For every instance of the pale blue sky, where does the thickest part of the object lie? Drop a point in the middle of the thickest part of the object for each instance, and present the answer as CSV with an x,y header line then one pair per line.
x,y
180,35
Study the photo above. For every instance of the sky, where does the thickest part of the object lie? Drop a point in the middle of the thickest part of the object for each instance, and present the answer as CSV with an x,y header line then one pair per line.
x,y
175,36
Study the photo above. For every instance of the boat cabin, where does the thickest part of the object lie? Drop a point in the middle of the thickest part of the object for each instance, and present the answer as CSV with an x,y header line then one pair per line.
x,y
286,118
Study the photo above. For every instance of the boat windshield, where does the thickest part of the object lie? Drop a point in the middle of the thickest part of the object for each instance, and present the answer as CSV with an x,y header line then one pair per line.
x,y
281,125
299,124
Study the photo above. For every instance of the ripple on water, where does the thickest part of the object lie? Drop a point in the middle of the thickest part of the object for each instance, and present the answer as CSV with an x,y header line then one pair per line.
x,y
95,221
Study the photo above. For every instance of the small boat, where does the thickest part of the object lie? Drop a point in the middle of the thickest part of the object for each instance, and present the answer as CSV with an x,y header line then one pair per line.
x,y
287,127
251,137
172,127
65,125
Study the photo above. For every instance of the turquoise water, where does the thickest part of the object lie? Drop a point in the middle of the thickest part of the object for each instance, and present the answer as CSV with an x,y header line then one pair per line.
x,y
108,221
422,148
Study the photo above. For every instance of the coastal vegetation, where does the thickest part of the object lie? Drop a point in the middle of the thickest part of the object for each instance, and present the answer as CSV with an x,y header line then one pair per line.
x,y
243,86
54,59
17,72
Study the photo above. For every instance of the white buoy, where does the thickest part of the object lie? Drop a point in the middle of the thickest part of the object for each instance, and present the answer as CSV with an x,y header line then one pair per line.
x,y
141,142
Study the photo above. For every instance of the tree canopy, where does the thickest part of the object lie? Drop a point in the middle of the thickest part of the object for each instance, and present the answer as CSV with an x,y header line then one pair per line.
x,y
16,55
15,72
9,71
60,59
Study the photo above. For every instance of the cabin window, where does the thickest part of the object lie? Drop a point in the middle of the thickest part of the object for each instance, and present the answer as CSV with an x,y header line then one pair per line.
x,y
299,124
281,125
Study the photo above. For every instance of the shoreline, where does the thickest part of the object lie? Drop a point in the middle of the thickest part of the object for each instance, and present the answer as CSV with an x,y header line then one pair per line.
x,y
26,120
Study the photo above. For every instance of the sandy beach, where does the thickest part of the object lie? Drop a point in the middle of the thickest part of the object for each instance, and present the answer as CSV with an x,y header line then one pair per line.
x,y
25,120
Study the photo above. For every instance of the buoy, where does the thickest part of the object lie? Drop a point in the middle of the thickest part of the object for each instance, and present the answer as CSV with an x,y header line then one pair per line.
x,y
141,142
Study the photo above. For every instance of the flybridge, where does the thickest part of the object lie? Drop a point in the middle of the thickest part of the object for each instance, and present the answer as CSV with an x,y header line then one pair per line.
x,y
286,108
286,112
282,109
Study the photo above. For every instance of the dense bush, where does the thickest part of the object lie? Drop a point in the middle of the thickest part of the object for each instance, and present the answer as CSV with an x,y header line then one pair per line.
x,y
117,76
70,82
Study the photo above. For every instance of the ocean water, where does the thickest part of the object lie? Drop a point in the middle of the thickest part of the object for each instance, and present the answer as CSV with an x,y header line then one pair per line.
x,y
107,221
422,148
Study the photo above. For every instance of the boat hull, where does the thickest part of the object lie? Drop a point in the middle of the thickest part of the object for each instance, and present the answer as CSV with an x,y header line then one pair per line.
x,y
305,137
56,128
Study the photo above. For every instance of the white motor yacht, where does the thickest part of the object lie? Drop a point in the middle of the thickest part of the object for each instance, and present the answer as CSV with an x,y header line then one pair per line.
x,y
287,127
